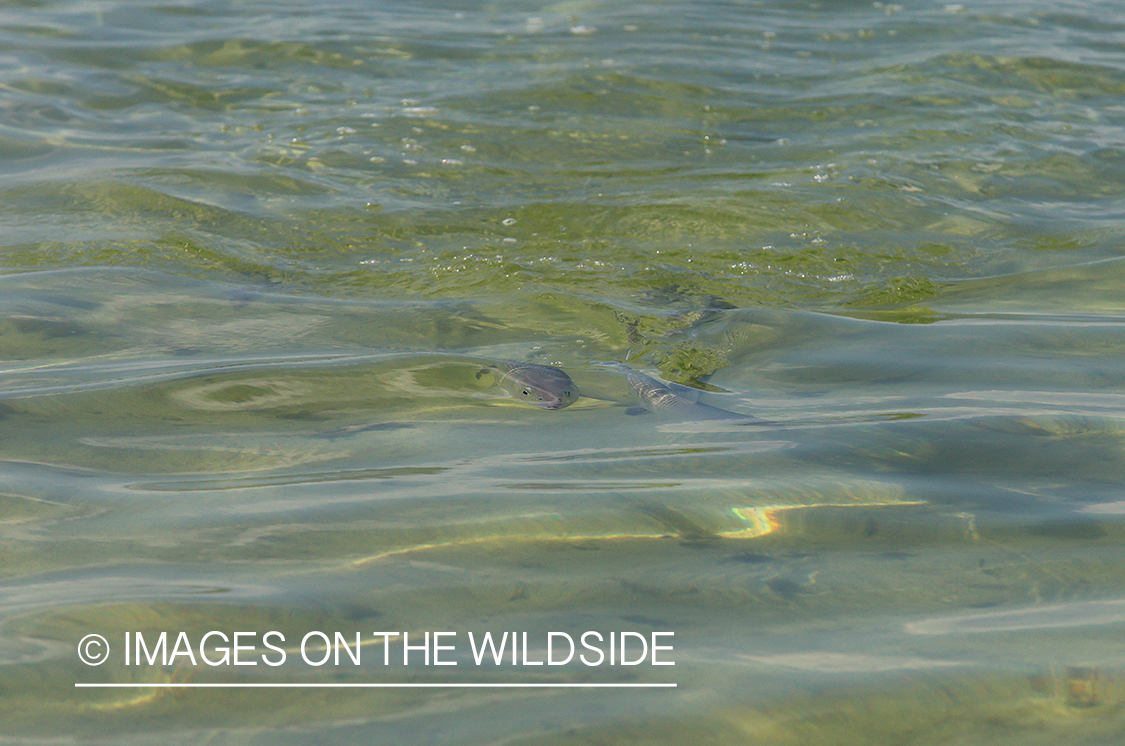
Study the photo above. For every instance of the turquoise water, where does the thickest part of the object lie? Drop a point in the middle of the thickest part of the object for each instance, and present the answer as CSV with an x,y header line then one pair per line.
x,y
257,257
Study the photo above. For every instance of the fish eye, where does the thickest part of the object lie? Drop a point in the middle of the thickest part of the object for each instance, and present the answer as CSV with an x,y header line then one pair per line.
x,y
527,392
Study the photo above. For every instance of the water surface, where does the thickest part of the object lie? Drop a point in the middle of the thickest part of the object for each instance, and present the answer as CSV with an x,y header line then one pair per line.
x,y
257,256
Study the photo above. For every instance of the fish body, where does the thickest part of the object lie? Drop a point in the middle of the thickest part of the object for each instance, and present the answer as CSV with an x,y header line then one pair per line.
x,y
662,398
548,387
541,386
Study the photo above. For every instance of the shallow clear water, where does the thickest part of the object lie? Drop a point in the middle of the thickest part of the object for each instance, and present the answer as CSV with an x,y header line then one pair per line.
x,y
255,258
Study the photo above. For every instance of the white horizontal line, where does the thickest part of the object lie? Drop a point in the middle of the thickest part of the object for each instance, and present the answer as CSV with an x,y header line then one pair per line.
x,y
366,685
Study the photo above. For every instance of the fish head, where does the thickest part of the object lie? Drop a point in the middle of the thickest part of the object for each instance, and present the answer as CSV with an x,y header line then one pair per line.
x,y
542,386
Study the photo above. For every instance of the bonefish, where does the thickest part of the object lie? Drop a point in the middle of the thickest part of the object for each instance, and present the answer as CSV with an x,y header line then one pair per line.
x,y
538,385
662,398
